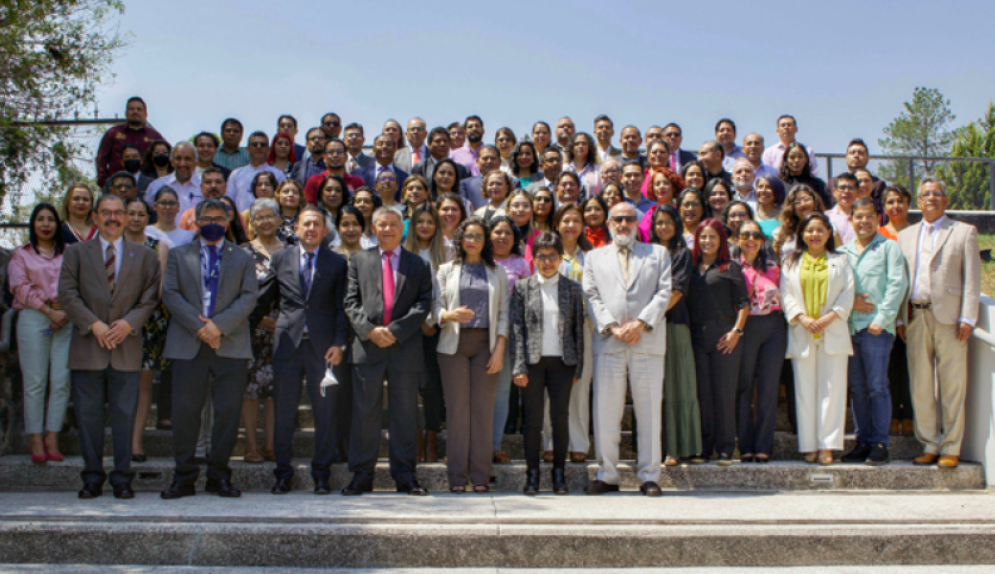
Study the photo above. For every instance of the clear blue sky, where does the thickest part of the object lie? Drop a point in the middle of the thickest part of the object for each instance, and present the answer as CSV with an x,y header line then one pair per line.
x,y
842,68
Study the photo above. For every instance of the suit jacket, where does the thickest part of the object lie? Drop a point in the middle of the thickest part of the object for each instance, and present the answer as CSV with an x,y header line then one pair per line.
x,y
182,293
954,270
686,157
839,299
364,161
449,299
469,189
412,304
526,321
86,298
369,175
612,301
299,172
321,311
402,158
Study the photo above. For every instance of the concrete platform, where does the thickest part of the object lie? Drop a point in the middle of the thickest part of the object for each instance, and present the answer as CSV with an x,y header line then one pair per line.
x,y
502,531
111,569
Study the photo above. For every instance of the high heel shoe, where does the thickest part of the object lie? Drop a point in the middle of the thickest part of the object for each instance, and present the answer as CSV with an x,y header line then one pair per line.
x,y
39,458
531,482
53,454
559,481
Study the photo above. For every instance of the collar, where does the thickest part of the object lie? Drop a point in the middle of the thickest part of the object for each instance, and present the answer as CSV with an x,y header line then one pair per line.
x,y
555,280
936,225
205,244
396,251
380,168
312,252
118,244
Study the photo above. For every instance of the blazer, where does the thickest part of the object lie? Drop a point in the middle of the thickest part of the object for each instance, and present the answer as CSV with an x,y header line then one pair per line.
x,y
412,304
363,160
369,175
497,304
86,298
469,189
527,324
839,299
954,270
613,302
322,311
402,158
426,168
182,293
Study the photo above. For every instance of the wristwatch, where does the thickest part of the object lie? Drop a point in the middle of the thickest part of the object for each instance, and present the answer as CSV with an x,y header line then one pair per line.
x,y
737,330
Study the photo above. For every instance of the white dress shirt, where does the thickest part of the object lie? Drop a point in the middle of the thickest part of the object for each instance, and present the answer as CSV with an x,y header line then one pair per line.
x,y
240,184
188,194
552,346
118,253
926,244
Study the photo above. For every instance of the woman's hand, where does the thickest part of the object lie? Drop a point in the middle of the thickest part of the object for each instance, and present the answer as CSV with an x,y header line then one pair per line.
x,y
461,315
496,363
521,380
728,342
268,323
427,329
810,324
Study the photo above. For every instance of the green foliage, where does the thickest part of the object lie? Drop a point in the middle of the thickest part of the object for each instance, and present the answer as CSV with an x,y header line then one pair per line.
x,y
968,183
54,55
922,130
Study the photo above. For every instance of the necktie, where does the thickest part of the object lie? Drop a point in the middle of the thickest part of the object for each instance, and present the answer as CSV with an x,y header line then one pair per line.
x,y
212,282
306,273
350,166
415,156
623,259
388,287
110,262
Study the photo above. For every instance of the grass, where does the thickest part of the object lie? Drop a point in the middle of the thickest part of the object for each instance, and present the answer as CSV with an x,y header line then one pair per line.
x,y
987,241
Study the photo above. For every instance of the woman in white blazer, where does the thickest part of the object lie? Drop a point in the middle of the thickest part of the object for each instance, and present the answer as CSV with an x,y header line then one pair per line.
x,y
472,313
817,288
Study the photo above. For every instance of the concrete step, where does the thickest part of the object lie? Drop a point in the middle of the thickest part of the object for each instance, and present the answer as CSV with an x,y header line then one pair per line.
x,y
134,569
701,530
18,473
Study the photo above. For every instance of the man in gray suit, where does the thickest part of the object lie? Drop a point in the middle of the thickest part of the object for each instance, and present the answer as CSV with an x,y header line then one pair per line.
x,y
210,289
108,288
628,288
411,155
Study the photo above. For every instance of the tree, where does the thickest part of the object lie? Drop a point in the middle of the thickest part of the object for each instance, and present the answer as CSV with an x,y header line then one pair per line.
x,y
55,54
922,130
968,182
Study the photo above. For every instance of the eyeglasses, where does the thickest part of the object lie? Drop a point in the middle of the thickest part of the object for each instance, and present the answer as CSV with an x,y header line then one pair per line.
x,y
752,235
387,179
473,236
115,214
547,258
624,218
205,220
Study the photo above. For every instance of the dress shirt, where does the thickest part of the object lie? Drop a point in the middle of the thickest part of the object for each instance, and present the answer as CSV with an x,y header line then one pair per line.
x,y
240,183
118,253
188,193
312,194
314,261
717,294
879,273
353,163
924,251
730,158
774,157
33,277
841,223
749,199
231,160
466,156
764,170
549,291
643,204
394,261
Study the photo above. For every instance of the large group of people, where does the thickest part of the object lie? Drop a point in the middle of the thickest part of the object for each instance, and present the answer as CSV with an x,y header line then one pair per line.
x,y
540,279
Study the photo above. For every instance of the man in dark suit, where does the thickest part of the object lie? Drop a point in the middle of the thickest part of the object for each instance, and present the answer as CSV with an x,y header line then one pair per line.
x,y
108,288
488,160
210,288
314,163
388,298
308,282
673,135
383,153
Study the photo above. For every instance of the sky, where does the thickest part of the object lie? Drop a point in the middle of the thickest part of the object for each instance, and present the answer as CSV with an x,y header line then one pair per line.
x,y
843,69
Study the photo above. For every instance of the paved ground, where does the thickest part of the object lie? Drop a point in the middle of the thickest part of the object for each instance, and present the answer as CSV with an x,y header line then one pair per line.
x,y
78,569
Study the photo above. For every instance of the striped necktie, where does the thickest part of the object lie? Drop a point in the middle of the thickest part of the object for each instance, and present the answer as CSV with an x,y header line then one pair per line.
x,y
110,262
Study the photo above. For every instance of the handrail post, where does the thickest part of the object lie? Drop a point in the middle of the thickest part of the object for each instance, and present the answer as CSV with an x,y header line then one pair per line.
x,y
991,184
912,176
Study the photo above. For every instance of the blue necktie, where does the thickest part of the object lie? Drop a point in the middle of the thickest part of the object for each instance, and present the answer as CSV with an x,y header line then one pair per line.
x,y
306,273
212,281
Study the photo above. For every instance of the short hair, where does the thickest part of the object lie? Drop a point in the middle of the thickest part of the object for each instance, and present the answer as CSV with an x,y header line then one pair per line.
x,y
307,134
311,209
604,118
719,123
455,198
384,210
233,121
164,190
286,117
638,133
856,141
724,216
126,147
105,198
775,184
674,125
541,123
786,116
847,176
180,145
374,197
352,126
516,243
211,203
214,138
900,190
488,147
261,204
716,145
258,134
620,205
212,169
454,125
548,240
331,141
255,182
742,159
549,150
656,143
438,131
487,253
379,137
136,99
931,179
864,202
119,175
473,117
632,162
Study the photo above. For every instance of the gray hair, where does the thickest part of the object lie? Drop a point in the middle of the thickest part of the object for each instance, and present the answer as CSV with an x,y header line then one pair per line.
x,y
931,179
184,144
740,160
212,203
620,204
381,211
263,204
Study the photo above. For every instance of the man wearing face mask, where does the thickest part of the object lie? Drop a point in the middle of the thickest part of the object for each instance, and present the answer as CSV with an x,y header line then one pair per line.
x,y
210,289
134,132
182,180
467,155
131,159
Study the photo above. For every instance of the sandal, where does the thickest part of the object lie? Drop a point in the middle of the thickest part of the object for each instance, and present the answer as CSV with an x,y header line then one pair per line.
x,y
481,489
253,457
811,457
825,457
670,461
457,489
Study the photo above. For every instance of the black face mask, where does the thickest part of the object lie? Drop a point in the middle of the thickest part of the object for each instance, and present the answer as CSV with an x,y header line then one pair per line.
x,y
160,160
132,165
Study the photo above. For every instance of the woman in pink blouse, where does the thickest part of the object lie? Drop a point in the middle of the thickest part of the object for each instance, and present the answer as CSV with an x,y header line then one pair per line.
x,y
764,342
43,331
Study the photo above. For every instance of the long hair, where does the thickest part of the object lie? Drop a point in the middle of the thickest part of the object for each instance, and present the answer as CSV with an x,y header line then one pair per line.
x,y
796,255
434,189
676,181
582,241
601,203
592,149
437,246
60,244
236,229
271,158
676,242
761,262
789,220
686,167
513,159
516,247
722,256
455,199
486,253
273,182
806,171
148,166
346,196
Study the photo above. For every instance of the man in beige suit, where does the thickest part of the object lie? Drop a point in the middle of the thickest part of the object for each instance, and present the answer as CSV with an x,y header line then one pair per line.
x,y
108,287
945,271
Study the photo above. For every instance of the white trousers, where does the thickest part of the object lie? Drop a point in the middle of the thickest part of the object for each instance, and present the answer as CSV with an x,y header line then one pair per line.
x,y
820,399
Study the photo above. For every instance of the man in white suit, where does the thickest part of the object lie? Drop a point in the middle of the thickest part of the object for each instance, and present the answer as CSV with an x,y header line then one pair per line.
x,y
945,272
628,287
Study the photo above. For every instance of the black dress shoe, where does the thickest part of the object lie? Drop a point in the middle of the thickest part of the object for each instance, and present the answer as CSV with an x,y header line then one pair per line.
x,y
321,486
357,487
600,487
222,488
559,482
124,491
91,490
282,486
650,488
531,482
858,454
139,458
412,489
200,459
177,490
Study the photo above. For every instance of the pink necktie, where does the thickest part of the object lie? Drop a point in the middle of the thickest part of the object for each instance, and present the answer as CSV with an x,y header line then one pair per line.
x,y
416,155
388,287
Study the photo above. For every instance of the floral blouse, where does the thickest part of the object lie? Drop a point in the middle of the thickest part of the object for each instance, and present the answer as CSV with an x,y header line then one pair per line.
x,y
763,288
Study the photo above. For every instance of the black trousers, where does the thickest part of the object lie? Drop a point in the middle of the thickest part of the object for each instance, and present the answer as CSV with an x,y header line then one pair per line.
x,y
90,390
718,379
764,341
343,408
190,388
367,413
898,376
307,363
550,375
431,385
164,396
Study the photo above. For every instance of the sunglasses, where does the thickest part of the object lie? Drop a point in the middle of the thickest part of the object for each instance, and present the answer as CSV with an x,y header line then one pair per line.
x,y
752,235
624,218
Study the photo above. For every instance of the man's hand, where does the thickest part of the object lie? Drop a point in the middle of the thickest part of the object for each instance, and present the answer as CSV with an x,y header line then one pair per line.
x,y
861,304
428,330
964,332
118,331
521,380
100,330
900,330
209,333
334,355
382,337
874,329
630,332
268,323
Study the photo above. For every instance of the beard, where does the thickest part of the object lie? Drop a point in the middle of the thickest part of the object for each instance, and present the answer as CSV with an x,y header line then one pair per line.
x,y
474,138
623,240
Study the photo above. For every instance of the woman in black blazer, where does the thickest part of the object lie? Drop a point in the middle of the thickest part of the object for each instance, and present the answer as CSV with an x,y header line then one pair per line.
x,y
547,342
